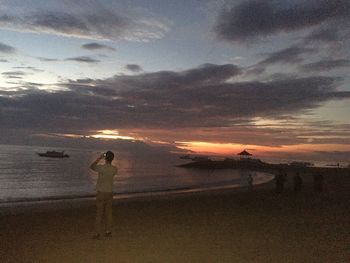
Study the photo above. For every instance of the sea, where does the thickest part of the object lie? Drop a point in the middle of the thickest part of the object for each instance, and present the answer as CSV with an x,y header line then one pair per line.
x,y
27,177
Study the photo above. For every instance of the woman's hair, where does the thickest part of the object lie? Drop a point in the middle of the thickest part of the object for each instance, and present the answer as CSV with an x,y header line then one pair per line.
x,y
109,156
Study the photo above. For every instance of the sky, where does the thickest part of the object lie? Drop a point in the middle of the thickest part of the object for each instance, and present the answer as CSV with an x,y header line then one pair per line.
x,y
203,76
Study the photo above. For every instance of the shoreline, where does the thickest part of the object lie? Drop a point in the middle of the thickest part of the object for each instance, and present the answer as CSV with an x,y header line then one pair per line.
x,y
263,178
59,203
270,169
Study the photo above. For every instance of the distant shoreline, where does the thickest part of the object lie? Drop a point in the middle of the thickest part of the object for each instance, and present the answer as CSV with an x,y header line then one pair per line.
x,y
258,165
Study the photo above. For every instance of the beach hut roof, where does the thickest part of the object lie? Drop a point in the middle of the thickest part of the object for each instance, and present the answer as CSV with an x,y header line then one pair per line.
x,y
244,153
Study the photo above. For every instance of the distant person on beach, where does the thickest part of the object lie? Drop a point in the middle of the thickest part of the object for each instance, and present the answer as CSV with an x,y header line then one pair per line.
x,y
104,193
298,182
250,180
318,182
280,179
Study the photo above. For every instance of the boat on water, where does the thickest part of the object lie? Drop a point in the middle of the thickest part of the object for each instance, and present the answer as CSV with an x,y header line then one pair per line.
x,y
194,158
54,154
200,158
185,157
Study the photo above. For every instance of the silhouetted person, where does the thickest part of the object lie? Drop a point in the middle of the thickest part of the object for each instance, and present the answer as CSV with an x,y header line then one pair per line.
x,y
280,179
318,182
250,180
298,182
104,194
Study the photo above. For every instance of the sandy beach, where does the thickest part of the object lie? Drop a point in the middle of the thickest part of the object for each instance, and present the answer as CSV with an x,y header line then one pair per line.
x,y
218,226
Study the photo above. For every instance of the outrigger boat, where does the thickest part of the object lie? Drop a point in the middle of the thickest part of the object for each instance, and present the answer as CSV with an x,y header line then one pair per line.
x,y
54,154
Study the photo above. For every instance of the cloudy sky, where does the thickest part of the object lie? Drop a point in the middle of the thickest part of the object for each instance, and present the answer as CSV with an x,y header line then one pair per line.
x,y
200,75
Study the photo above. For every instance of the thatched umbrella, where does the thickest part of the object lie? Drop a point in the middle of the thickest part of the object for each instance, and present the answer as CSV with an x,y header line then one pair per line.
x,y
244,154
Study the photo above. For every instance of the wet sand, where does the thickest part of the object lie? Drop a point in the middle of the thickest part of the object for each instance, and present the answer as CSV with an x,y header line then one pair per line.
x,y
218,226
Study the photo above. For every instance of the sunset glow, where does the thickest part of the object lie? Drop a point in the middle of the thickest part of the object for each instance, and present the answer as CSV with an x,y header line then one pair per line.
x,y
220,148
227,149
111,134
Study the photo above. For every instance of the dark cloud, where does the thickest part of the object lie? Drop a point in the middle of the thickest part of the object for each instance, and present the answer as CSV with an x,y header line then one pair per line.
x,y
58,21
6,49
291,55
252,19
254,70
32,85
14,74
324,34
88,87
326,65
14,77
100,23
48,59
18,73
288,55
83,59
195,98
3,60
29,68
133,67
97,46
